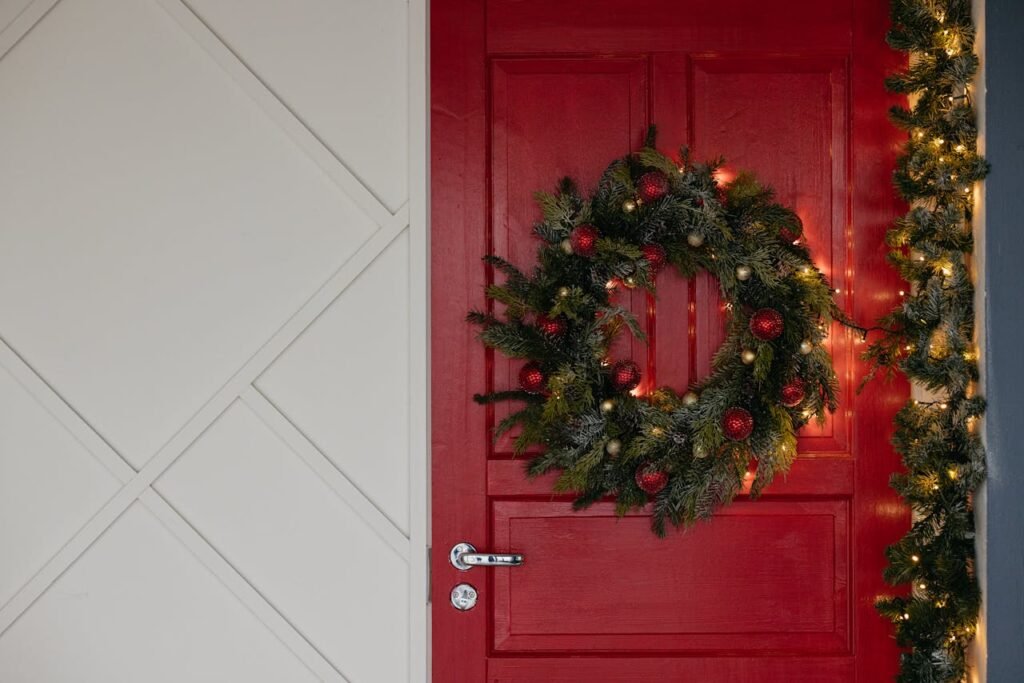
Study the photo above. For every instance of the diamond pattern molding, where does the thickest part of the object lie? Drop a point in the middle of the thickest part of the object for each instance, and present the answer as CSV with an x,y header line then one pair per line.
x,y
196,231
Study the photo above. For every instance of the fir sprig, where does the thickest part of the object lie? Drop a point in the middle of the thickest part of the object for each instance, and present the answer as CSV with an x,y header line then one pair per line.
x,y
930,338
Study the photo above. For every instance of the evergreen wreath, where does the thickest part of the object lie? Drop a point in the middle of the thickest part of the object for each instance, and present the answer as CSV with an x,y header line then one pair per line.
x,y
687,453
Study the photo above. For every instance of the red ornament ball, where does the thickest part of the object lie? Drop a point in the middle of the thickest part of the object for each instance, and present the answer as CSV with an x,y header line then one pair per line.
x,y
532,378
552,327
655,255
651,480
737,423
766,324
583,239
793,393
625,375
652,186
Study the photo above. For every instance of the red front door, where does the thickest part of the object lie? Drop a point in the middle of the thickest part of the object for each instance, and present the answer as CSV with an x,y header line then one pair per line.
x,y
779,589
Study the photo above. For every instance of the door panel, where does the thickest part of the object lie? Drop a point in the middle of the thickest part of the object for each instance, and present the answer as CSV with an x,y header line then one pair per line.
x,y
706,576
784,118
552,119
780,589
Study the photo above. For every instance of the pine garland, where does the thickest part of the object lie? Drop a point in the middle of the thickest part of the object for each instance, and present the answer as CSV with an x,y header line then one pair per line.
x,y
930,338
685,454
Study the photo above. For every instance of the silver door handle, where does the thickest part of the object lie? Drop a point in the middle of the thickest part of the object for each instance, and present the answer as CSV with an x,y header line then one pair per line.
x,y
464,557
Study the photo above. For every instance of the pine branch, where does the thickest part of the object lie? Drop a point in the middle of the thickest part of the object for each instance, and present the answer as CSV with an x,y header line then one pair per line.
x,y
930,339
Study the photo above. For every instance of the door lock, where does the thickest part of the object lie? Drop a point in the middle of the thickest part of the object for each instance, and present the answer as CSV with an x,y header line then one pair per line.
x,y
464,597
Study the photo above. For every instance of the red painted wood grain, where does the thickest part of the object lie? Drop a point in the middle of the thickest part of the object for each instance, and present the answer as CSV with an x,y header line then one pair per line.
x,y
780,589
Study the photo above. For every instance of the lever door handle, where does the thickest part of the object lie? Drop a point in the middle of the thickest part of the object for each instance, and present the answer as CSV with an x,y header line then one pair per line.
x,y
464,557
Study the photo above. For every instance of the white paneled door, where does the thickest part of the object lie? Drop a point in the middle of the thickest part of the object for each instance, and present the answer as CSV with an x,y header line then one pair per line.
x,y
212,341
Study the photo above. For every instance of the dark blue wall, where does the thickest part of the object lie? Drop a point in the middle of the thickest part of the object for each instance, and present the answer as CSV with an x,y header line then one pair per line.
x,y
1004,352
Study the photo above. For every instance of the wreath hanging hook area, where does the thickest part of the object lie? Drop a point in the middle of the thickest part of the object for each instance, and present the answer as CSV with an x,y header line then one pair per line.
x,y
686,453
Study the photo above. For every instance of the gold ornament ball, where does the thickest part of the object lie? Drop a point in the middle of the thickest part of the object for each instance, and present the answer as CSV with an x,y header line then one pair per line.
x,y
743,273
699,452
806,347
613,447
566,246
630,282
690,398
747,356
607,405
563,292
694,239
629,206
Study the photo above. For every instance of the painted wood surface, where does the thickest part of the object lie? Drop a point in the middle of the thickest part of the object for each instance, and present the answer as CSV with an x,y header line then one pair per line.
x,y
780,589
213,341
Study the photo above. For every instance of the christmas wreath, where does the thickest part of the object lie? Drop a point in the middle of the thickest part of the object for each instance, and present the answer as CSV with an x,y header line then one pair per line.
x,y
688,453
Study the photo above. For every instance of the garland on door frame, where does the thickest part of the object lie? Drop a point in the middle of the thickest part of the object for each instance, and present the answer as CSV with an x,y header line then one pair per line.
x,y
686,453
930,339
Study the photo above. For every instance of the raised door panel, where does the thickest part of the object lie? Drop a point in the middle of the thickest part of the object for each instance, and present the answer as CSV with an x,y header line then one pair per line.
x,y
556,118
765,577
785,119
